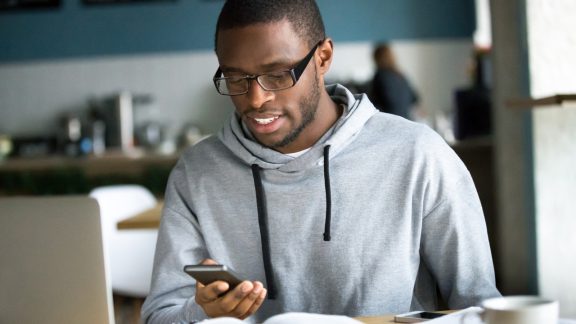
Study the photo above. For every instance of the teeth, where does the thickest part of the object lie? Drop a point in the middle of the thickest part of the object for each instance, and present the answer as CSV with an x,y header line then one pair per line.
x,y
264,121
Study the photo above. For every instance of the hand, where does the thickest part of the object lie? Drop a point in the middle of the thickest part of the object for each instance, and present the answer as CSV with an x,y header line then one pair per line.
x,y
216,299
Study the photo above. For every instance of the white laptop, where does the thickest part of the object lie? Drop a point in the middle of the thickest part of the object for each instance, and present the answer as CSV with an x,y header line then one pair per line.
x,y
52,267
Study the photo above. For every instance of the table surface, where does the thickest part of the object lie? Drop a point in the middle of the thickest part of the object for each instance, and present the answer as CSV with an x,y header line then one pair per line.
x,y
383,319
147,219
376,319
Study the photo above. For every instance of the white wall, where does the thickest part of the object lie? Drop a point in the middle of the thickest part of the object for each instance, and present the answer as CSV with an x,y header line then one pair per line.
x,y
552,65
33,94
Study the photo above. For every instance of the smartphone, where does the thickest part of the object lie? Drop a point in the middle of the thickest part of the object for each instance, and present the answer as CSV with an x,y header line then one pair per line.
x,y
208,273
417,317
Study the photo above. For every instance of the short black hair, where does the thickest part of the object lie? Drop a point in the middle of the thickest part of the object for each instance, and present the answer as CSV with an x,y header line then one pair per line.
x,y
304,15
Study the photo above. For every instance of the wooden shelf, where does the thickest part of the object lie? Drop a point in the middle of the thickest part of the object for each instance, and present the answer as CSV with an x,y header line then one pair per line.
x,y
559,100
90,165
60,175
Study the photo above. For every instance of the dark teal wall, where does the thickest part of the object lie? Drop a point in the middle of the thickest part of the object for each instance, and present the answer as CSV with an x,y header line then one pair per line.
x,y
75,30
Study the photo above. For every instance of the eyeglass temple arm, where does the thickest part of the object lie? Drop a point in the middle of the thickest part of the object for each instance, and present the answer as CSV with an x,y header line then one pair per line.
x,y
298,70
217,74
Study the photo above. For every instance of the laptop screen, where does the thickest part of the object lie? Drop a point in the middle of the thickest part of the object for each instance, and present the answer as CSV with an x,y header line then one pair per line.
x,y
52,256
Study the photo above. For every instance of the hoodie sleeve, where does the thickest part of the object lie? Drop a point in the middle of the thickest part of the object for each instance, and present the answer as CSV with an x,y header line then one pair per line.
x,y
454,241
180,242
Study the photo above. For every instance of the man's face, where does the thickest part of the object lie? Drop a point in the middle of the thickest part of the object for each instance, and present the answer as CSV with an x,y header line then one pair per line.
x,y
283,120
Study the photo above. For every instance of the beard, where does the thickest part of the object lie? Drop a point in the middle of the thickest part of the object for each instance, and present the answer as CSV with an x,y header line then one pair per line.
x,y
308,108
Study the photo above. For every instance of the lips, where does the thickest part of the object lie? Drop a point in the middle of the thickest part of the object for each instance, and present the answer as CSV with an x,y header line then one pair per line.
x,y
264,123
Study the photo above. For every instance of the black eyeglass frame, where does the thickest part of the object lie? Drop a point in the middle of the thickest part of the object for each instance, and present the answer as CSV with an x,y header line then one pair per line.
x,y
295,72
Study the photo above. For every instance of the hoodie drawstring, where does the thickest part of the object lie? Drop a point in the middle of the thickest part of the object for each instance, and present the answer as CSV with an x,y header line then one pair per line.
x,y
263,219
263,222
328,193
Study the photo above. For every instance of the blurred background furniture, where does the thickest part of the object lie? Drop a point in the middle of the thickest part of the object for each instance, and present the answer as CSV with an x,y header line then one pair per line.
x,y
131,253
60,175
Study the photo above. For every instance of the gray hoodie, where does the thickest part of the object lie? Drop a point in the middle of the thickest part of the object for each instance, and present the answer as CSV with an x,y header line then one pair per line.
x,y
377,223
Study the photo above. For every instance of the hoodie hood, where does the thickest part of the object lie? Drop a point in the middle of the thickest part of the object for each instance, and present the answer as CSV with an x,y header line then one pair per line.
x,y
358,110
238,139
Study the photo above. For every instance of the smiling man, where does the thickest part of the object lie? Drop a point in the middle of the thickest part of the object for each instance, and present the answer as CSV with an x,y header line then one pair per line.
x,y
279,114
322,203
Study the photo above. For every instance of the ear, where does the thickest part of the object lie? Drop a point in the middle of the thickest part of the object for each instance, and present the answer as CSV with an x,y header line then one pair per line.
x,y
324,57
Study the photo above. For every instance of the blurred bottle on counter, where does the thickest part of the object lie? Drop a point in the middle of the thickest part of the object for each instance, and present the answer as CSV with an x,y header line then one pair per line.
x,y
98,137
5,146
71,140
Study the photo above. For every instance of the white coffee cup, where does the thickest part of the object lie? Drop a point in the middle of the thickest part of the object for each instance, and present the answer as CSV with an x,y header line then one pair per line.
x,y
519,310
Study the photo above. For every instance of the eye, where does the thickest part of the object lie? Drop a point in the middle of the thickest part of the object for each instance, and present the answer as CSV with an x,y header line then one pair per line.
x,y
278,80
235,80
276,76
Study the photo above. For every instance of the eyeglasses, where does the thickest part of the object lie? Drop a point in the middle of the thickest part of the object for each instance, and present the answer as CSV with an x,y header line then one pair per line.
x,y
238,85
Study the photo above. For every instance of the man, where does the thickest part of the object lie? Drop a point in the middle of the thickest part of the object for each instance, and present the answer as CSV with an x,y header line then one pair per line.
x,y
323,203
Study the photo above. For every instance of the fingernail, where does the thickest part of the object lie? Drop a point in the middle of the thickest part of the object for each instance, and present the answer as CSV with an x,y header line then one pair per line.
x,y
246,288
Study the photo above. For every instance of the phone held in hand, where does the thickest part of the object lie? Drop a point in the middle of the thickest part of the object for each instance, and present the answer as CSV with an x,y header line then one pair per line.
x,y
209,273
417,317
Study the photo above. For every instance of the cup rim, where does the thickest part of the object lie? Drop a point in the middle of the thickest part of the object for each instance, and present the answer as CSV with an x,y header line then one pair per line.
x,y
507,302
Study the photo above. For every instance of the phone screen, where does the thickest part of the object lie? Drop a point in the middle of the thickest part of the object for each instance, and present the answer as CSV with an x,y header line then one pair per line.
x,y
207,274
428,315
416,317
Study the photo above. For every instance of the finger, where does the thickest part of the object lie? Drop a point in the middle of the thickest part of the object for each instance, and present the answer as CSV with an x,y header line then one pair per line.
x,y
247,301
231,300
256,304
209,293
208,261
222,306
252,302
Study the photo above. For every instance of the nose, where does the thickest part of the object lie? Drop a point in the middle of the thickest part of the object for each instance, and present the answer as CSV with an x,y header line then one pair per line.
x,y
257,95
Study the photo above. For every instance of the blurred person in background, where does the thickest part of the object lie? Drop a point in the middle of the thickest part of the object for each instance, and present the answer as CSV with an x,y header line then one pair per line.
x,y
391,92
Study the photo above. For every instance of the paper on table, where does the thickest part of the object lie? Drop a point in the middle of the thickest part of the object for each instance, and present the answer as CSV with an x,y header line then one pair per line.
x,y
291,318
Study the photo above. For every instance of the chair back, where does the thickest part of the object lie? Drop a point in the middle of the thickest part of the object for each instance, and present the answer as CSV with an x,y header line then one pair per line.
x,y
130,251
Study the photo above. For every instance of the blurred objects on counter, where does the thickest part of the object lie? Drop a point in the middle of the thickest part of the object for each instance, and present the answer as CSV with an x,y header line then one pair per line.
x,y
34,146
117,125
73,140
5,146
151,135
116,112
189,135
442,124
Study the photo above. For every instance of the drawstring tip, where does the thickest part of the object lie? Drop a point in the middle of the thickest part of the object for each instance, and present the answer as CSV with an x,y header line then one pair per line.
x,y
271,295
326,237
